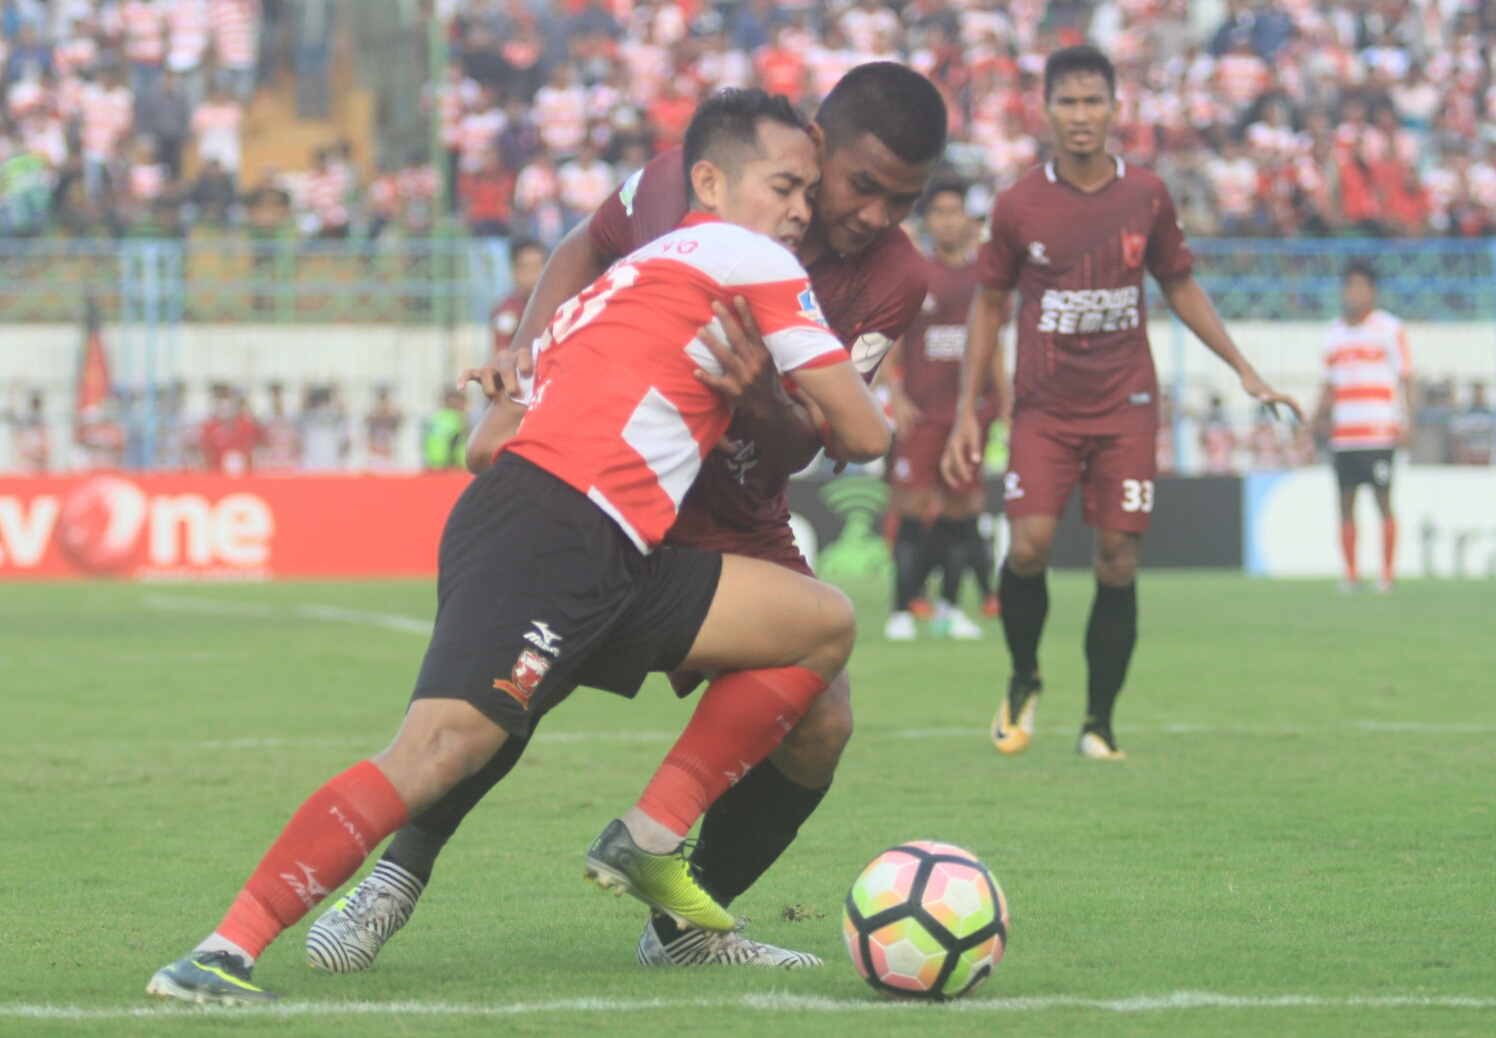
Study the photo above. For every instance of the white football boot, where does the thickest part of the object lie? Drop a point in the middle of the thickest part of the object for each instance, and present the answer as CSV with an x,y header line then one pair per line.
x,y
699,948
900,627
349,935
1099,745
950,622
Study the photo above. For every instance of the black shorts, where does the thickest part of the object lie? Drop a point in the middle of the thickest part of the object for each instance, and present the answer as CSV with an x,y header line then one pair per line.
x,y
540,591
1352,468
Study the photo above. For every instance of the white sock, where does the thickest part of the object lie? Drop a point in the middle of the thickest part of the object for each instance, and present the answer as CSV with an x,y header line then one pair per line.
x,y
216,942
650,836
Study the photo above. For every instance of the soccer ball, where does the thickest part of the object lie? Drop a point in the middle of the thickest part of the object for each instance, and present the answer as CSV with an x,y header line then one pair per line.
x,y
925,920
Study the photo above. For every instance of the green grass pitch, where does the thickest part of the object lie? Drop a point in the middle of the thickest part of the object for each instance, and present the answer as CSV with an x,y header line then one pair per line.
x,y
1303,836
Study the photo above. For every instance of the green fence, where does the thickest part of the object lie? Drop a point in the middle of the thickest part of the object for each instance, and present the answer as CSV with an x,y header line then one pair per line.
x,y
455,280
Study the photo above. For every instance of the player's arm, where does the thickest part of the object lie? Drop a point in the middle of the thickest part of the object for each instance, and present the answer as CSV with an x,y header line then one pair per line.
x,y
576,263
781,426
855,428
906,413
1192,306
1320,423
982,356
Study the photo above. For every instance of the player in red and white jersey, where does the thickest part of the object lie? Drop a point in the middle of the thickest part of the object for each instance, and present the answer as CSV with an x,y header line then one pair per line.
x,y
880,134
1365,408
1075,238
924,371
637,450
551,573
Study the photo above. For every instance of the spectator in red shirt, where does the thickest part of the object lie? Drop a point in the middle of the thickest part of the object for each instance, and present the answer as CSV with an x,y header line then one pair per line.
x,y
670,114
780,69
485,196
230,435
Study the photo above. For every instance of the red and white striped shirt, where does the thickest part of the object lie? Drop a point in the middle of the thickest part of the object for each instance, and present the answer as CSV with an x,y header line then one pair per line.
x,y
147,181
1363,365
107,117
326,191
218,128
74,54
617,411
561,114
145,31
188,28
585,186
477,135
236,32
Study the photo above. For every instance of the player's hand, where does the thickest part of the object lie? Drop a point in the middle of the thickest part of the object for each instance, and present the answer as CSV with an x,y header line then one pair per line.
x,y
500,377
906,414
749,380
963,451
1266,394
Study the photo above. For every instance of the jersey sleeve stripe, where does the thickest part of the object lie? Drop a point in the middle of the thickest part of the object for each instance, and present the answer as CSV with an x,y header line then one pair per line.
x,y
798,346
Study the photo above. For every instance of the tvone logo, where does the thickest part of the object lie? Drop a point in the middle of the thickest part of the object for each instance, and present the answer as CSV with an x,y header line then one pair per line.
x,y
109,525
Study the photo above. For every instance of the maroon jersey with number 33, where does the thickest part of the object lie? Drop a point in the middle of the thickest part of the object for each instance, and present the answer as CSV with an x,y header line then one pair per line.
x,y
868,300
1078,260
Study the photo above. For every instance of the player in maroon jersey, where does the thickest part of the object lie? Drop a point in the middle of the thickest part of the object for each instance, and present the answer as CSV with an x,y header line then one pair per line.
x,y
526,260
1074,238
880,133
924,383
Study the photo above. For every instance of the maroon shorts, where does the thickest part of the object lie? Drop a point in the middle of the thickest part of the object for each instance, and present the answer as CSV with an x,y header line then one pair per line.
x,y
1116,470
916,459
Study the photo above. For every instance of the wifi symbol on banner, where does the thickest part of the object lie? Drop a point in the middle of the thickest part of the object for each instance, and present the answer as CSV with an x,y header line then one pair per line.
x,y
852,494
858,550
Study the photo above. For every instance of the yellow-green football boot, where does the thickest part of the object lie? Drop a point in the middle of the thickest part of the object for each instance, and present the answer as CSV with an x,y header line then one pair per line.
x,y
664,882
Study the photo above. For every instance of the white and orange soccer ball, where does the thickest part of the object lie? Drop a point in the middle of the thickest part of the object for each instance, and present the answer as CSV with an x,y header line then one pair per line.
x,y
925,920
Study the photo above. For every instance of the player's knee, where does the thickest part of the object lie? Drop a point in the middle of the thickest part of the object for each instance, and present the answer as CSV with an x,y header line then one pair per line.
x,y
1027,559
837,633
434,751
1117,559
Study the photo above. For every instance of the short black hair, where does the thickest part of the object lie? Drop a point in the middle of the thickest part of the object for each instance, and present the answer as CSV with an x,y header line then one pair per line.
x,y
1071,60
892,102
944,186
727,122
519,245
1360,268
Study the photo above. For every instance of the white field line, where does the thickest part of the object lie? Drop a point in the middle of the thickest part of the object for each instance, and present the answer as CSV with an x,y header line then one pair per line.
x,y
259,610
763,1003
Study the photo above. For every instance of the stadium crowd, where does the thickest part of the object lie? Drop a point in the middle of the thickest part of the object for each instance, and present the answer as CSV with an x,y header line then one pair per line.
x,y
1306,117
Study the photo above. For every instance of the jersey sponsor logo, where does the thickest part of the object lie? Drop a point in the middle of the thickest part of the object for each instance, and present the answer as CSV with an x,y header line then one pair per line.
x,y
810,307
1140,398
628,191
945,342
1011,490
1134,246
929,305
543,638
868,352
506,322
1088,311
1036,253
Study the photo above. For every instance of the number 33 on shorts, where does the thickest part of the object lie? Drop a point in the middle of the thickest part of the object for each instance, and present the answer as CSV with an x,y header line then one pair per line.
x,y
1137,495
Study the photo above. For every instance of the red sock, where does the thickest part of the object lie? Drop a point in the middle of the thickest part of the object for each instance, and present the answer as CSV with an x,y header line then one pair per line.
x,y
322,846
1348,546
743,715
1389,546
